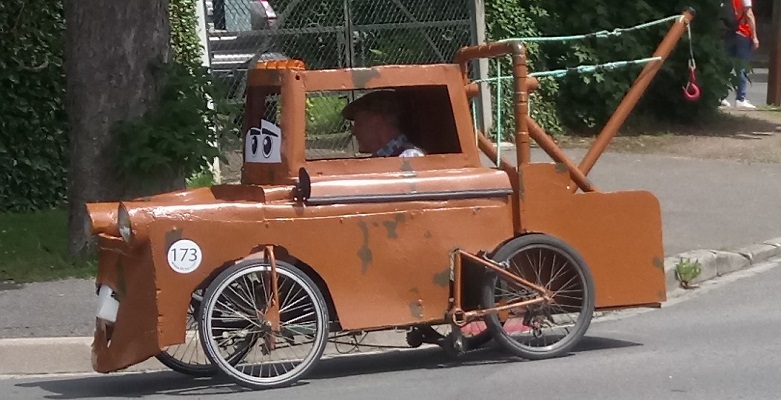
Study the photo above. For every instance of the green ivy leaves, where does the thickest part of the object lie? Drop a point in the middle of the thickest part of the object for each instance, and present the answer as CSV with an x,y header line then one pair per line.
x,y
33,122
33,140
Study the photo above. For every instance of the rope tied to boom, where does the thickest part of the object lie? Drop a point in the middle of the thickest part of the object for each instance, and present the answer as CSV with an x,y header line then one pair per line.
x,y
689,90
598,35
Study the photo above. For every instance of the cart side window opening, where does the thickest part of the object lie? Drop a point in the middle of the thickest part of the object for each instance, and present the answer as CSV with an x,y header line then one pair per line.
x,y
425,118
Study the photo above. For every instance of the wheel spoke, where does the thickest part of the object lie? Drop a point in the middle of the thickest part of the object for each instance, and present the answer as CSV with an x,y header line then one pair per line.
x,y
298,318
285,307
538,269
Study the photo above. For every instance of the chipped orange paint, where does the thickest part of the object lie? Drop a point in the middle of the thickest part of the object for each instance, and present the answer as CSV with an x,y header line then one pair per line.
x,y
377,233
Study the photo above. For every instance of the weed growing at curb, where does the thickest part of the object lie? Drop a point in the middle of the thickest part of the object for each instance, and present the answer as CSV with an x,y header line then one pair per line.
x,y
686,271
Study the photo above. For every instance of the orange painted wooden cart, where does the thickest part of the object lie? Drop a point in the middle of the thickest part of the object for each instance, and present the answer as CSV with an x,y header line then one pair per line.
x,y
311,245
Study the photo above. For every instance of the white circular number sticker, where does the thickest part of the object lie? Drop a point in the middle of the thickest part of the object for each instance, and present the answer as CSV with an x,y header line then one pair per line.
x,y
184,256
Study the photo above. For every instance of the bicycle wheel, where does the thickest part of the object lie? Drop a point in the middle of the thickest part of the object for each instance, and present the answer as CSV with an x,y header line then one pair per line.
x,y
234,310
546,330
189,358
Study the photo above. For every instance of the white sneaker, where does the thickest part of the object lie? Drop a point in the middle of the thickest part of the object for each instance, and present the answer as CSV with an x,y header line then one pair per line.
x,y
744,104
725,103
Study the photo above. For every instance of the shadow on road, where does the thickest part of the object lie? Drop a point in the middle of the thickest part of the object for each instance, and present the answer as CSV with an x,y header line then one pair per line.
x,y
134,385
10,286
167,383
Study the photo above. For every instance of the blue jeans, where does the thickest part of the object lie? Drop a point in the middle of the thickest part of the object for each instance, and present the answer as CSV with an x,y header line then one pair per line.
x,y
739,47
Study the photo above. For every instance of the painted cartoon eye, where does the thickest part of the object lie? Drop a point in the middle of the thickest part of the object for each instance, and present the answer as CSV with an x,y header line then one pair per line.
x,y
267,146
262,144
268,142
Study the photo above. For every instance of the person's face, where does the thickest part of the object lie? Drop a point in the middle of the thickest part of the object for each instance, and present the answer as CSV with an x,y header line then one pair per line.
x,y
369,129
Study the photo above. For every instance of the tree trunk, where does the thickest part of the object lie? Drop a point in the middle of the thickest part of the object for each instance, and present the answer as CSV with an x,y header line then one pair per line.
x,y
110,46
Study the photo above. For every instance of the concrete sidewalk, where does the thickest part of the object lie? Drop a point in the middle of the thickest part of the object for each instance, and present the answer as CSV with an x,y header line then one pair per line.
x,y
722,213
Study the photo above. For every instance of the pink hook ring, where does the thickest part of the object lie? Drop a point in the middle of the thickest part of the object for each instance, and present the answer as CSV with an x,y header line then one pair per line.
x,y
691,92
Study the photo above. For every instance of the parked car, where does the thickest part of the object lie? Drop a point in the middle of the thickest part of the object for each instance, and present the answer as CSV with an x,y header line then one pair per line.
x,y
240,34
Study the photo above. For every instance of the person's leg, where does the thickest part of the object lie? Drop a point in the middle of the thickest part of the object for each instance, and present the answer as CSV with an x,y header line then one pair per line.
x,y
730,49
743,47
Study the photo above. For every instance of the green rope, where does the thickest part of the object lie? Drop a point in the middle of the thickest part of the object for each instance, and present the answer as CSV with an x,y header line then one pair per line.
x,y
580,69
599,35
585,69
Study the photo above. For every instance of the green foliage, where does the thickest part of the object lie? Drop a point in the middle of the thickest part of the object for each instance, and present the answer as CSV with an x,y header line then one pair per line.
x,y
506,19
34,145
34,142
584,102
184,37
324,115
686,271
179,136
34,248
176,138
203,178
33,138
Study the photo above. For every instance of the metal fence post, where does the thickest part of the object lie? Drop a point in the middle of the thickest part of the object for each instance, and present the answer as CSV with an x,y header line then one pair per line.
x,y
202,29
774,67
483,114
350,52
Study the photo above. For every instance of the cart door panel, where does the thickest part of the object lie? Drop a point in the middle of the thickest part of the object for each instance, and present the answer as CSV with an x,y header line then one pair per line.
x,y
619,234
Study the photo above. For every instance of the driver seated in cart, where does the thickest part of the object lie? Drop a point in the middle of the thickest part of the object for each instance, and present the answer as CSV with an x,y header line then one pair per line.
x,y
376,121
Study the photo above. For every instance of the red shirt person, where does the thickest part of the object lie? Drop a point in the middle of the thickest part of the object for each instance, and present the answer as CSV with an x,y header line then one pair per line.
x,y
740,45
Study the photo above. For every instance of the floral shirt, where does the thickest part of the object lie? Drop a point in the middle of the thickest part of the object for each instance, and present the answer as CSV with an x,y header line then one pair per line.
x,y
399,147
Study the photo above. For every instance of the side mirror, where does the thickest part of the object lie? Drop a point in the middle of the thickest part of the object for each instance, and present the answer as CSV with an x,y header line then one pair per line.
x,y
303,185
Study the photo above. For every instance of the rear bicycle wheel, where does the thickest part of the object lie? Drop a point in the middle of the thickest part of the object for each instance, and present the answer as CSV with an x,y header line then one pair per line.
x,y
189,358
546,330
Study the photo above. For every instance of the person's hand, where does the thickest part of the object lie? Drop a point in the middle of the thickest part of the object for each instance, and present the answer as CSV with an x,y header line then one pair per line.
x,y
755,43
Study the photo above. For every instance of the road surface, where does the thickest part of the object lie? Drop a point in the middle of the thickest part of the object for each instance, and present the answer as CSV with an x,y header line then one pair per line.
x,y
718,342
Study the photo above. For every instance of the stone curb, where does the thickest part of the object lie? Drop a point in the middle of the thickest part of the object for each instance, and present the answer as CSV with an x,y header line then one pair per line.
x,y
716,263
37,356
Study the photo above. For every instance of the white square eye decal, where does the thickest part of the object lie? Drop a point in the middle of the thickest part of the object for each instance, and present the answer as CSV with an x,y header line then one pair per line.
x,y
263,145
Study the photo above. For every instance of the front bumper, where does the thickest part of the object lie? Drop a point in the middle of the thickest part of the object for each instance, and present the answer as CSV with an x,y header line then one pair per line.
x,y
133,336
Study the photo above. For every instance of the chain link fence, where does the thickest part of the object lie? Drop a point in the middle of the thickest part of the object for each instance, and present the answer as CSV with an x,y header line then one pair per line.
x,y
331,34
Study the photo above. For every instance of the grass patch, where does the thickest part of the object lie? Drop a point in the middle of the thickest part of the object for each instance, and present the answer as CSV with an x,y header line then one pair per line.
x,y
34,248
201,179
324,115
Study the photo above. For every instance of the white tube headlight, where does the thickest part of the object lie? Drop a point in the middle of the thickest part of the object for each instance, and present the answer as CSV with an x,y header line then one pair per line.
x,y
123,224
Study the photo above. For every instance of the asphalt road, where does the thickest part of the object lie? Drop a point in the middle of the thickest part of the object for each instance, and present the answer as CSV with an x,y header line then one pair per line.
x,y
719,342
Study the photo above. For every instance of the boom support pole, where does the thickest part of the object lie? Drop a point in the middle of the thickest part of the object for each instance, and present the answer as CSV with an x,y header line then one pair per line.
x,y
638,88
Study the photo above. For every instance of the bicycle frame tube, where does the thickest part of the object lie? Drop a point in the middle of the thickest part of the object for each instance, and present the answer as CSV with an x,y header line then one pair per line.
x,y
272,313
460,317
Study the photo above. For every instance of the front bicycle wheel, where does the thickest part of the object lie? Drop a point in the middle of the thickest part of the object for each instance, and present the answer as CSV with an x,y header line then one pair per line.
x,y
549,329
235,309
